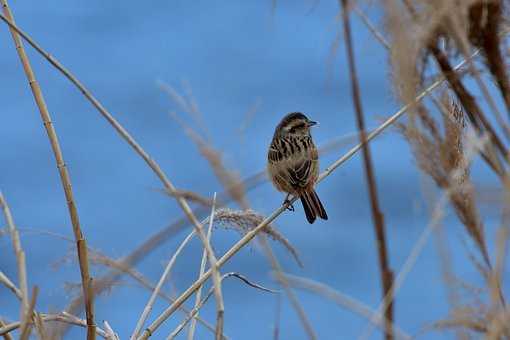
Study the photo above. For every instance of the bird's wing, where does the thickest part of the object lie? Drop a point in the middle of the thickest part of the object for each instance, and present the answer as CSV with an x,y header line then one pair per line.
x,y
299,172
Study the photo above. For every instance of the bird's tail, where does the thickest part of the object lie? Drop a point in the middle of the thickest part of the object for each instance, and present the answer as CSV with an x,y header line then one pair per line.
x,y
313,206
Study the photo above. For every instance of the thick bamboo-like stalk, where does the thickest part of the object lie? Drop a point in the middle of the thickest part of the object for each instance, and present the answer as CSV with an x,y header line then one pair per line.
x,y
64,175
125,135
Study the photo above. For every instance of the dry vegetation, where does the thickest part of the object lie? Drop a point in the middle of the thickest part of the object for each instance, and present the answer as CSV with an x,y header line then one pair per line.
x,y
448,124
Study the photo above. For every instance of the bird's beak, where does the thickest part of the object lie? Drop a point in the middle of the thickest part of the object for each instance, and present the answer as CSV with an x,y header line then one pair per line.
x,y
312,123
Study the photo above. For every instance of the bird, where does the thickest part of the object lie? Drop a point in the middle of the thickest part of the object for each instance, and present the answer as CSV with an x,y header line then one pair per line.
x,y
293,163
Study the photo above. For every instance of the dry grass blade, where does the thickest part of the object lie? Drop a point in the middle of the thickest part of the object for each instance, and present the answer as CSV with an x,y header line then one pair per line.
x,y
155,292
64,174
377,216
342,300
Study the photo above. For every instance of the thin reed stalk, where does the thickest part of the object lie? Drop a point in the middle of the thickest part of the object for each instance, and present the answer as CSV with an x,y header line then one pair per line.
x,y
251,234
475,146
195,310
307,325
155,292
22,292
26,324
163,235
6,336
342,300
377,216
62,317
64,174
218,295
128,138
198,295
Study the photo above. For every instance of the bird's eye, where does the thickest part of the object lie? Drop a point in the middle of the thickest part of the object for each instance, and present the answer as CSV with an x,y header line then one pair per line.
x,y
297,127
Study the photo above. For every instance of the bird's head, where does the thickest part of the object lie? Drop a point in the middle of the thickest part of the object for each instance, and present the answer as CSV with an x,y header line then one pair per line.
x,y
295,123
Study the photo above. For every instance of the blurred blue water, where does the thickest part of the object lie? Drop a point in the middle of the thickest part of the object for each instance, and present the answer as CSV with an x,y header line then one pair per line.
x,y
234,56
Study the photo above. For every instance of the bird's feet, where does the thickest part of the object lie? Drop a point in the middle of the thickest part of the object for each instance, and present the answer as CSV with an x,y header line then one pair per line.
x,y
287,202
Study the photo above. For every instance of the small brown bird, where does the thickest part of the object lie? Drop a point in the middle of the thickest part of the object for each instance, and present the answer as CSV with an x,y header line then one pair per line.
x,y
293,163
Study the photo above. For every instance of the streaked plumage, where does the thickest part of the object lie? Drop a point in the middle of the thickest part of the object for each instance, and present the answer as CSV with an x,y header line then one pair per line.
x,y
293,163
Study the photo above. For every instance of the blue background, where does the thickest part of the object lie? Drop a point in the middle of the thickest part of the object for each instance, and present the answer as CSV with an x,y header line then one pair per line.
x,y
234,56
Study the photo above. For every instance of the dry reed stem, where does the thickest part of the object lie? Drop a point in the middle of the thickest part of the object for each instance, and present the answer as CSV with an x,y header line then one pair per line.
x,y
39,326
64,175
191,196
377,216
10,285
98,258
62,317
428,122
234,187
495,277
6,336
22,292
469,103
229,179
461,40
26,324
195,310
218,295
251,234
198,295
161,236
339,164
461,200
144,282
111,335
63,170
476,146
155,292
307,325
278,316
344,301
244,220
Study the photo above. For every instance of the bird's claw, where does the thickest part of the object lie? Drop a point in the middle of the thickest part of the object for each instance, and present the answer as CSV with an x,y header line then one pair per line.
x,y
289,205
